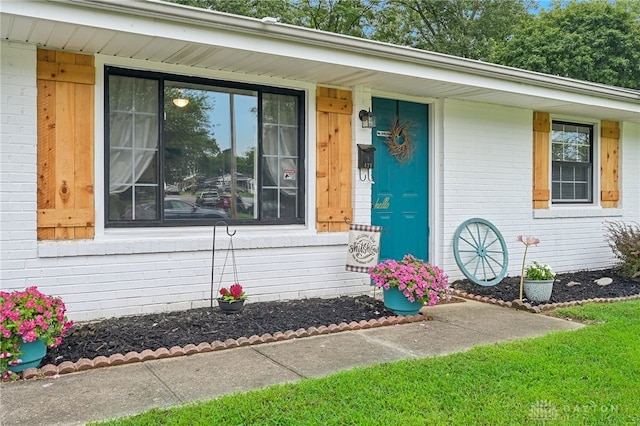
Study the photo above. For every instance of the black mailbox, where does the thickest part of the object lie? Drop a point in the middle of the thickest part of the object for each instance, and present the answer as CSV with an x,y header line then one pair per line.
x,y
365,156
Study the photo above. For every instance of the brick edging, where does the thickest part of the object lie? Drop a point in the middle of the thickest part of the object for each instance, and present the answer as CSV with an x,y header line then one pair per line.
x,y
517,304
148,355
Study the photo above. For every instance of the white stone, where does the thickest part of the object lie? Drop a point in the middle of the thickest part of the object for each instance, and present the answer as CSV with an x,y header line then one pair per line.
x,y
573,283
604,281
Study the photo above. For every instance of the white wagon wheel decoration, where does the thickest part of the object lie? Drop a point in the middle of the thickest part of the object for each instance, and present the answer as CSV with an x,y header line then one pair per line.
x,y
480,252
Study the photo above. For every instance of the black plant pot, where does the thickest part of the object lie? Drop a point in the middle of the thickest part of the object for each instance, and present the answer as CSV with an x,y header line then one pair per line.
x,y
230,307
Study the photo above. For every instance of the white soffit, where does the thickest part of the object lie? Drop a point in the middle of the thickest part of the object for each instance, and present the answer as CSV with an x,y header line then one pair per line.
x,y
168,33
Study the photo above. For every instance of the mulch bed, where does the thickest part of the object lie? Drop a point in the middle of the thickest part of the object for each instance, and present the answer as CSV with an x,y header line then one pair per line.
x,y
568,287
138,338
194,326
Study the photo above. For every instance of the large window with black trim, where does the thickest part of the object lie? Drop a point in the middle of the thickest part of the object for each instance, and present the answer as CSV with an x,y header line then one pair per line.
x,y
572,162
188,151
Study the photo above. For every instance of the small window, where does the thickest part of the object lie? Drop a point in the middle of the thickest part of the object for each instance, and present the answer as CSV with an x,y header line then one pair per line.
x,y
189,151
572,163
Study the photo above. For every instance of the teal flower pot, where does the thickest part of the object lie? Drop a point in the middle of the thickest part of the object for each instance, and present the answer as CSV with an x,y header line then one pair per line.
x,y
395,300
33,352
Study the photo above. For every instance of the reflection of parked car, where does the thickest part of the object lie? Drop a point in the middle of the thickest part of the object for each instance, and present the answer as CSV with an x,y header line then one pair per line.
x,y
172,190
272,210
207,199
224,203
175,208
248,204
144,211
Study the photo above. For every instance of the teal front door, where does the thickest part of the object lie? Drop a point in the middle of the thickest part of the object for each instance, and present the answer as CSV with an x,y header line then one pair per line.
x,y
399,197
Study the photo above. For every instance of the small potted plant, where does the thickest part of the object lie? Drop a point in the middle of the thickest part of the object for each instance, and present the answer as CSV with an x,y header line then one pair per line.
x,y
232,299
537,280
409,284
30,321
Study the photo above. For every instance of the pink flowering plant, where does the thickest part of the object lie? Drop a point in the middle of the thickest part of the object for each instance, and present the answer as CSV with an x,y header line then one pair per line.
x,y
27,316
234,293
418,280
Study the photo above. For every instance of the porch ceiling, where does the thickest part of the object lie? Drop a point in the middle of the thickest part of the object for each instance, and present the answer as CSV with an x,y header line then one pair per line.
x,y
178,35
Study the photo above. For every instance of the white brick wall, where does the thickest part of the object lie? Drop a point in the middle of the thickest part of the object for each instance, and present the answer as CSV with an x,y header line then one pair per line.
x,y
131,283
17,160
361,194
487,173
630,171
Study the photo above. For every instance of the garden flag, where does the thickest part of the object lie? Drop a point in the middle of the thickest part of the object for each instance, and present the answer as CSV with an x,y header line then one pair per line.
x,y
364,247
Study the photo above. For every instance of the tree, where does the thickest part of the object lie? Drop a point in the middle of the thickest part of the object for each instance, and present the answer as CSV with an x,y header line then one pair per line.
x,y
465,28
253,8
189,146
350,17
595,41
246,162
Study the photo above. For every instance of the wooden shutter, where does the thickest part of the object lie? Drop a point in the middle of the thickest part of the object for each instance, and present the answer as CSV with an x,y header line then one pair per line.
x,y
65,145
333,159
610,137
541,160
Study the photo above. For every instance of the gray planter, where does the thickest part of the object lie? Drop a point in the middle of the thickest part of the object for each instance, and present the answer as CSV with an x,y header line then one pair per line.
x,y
538,290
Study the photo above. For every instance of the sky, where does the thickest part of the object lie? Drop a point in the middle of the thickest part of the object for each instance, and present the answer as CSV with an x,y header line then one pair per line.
x,y
220,119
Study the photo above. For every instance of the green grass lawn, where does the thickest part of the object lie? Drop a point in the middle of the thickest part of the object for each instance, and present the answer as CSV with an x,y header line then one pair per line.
x,y
589,376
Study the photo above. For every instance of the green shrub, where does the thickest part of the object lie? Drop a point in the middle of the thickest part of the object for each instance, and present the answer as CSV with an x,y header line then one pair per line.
x,y
624,240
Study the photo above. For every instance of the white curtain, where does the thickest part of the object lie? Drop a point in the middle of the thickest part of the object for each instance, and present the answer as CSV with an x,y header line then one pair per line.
x,y
283,143
133,130
280,144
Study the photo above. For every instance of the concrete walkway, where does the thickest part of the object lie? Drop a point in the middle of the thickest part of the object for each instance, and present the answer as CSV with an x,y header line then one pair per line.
x,y
105,393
